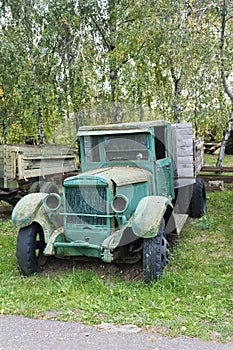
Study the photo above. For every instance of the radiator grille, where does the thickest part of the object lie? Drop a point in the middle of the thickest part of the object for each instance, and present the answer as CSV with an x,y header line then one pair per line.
x,y
86,200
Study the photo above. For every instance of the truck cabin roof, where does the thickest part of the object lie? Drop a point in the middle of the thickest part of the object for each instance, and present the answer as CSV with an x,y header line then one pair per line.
x,y
120,128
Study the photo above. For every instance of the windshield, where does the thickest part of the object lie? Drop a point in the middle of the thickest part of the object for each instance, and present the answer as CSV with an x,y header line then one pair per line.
x,y
116,147
126,147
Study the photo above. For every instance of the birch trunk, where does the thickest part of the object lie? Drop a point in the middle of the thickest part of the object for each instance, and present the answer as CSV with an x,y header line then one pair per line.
x,y
224,141
225,85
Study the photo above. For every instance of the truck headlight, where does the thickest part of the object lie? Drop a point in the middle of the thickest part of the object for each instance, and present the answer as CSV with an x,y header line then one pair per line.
x,y
52,201
119,203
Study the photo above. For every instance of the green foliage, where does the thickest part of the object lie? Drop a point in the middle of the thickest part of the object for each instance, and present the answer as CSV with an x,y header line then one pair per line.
x,y
65,57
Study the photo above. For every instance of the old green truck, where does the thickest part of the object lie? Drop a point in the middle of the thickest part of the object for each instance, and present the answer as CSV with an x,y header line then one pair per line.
x,y
138,184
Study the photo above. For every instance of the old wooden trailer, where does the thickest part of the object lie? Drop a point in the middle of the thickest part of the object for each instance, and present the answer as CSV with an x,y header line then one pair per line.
x,y
27,168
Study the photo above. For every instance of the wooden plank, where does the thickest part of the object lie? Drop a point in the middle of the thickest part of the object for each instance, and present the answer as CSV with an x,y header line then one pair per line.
x,y
185,159
35,150
186,130
49,163
225,178
45,172
198,166
49,167
185,149
184,143
42,157
183,125
186,152
185,172
8,164
20,167
198,143
217,169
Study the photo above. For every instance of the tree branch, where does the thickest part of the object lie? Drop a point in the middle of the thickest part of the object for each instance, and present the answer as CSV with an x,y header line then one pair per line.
x,y
127,59
101,32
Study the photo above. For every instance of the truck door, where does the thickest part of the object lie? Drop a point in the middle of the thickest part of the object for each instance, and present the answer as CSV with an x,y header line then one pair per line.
x,y
163,162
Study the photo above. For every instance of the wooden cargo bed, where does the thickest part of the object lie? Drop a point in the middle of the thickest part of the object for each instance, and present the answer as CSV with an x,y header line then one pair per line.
x,y
188,154
23,162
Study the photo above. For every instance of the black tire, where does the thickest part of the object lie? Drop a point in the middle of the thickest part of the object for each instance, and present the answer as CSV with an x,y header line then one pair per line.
x,y
49,187
198,201
155,255
30,247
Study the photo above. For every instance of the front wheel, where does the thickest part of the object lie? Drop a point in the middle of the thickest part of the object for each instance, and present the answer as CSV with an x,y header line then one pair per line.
x,y
30,247
155,255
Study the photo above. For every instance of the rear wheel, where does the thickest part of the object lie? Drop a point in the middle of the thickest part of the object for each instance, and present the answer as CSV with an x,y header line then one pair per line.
x,y
30,247
198,201
155,255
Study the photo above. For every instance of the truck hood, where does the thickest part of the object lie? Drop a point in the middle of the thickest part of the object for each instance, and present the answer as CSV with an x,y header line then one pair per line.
x,y
119,175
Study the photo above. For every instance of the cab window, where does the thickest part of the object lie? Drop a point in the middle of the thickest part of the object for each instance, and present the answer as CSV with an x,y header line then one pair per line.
x,y
160,133
126,147
91,149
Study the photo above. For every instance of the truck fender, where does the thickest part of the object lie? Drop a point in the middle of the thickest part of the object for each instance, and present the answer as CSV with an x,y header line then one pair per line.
x,y
149,214
27,208
31,209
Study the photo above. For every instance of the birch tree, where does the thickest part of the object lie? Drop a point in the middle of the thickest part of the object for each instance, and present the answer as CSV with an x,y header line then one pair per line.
x,y
226,16
64,58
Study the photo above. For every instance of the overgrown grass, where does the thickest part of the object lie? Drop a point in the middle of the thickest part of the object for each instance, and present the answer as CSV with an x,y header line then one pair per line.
x,y
193,298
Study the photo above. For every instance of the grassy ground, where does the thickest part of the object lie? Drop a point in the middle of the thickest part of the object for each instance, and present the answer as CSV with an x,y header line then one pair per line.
x,y
211,160
193,298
